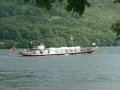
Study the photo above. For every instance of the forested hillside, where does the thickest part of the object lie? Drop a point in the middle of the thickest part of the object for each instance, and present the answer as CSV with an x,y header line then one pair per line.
x,y
22,22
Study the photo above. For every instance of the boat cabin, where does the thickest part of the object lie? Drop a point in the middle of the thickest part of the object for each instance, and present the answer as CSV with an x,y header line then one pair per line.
x,y
64,50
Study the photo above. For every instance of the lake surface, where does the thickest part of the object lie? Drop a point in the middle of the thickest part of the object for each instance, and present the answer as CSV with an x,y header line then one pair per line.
x,y
97,71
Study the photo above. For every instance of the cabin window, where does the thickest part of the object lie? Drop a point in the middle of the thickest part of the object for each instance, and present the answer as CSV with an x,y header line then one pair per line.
x,y
70,50
66,51
56,51
78,50
61,51
75,50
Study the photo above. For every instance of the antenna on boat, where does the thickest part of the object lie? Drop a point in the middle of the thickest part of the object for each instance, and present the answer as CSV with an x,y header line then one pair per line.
x,y
71,38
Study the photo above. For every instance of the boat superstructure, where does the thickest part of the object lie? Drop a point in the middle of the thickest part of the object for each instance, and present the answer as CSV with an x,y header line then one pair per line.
x,y
42,51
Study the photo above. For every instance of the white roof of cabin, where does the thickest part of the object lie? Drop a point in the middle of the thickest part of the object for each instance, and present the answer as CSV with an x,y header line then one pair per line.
x,y
63,48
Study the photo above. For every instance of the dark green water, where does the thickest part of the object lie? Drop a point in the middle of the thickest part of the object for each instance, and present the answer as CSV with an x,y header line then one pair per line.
x,y
97,71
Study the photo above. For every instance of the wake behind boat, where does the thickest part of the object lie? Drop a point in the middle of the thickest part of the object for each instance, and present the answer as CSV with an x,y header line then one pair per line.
x,y
42,51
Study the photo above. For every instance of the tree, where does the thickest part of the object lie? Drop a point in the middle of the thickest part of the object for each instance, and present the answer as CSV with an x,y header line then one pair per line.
x,y
116,26
116,29
117,1
73,5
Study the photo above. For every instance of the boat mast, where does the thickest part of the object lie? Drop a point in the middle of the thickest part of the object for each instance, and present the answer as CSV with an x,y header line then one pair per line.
x,y
71,38
30,45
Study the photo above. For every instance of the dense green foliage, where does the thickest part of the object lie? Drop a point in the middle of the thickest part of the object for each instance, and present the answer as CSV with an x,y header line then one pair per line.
x,y
116,29
21,23
77,6
117,1
116,25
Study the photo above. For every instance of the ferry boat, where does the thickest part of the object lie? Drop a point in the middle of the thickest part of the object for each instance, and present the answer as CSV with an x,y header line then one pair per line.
x,y
42,51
